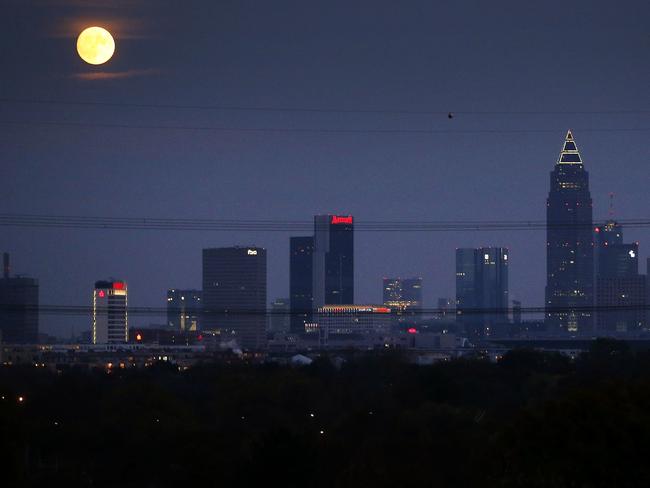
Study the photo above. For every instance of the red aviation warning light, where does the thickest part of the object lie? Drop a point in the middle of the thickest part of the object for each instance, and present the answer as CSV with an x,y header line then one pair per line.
x,y
412,330
341,219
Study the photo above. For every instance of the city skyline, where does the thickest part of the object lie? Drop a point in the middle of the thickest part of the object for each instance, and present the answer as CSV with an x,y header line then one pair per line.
x,y
324,243
510,111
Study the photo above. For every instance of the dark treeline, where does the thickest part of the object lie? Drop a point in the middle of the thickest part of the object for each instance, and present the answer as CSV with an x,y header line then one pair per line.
x,y
532,419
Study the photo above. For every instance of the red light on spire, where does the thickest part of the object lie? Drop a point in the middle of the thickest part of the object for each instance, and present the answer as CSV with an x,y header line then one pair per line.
x,y
337,219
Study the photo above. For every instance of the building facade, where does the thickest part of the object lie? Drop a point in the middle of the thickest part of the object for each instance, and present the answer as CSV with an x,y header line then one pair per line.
x,y
18,307
569,245
184,309
110,316
234,295
351,323
280,316
301,251
620,289
333,260
403,295
481,289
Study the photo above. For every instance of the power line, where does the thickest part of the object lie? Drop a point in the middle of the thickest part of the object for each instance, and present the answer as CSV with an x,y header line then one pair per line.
x,y
303,130
253,108
176,224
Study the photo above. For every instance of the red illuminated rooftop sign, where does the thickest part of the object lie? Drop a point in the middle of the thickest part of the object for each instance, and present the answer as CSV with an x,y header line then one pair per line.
x,y
341,219
118,285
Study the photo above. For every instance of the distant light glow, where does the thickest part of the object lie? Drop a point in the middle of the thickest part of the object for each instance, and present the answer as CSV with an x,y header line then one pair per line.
x,y
101,294
412,330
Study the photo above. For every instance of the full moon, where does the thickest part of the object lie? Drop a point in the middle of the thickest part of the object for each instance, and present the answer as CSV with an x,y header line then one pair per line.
x,y
95,45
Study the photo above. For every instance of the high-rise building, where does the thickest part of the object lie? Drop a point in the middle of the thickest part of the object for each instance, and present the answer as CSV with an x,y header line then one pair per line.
x,y
234,295
569,245
110,317
184,309
333,260
18,307
403,295
300,282
481,289
620,289
613,257
279,318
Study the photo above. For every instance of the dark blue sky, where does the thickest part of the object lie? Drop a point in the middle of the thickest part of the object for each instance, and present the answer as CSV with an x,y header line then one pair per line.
x,y
461,56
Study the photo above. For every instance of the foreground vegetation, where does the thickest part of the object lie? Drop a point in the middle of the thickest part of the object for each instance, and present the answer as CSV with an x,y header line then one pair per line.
x,y
533,420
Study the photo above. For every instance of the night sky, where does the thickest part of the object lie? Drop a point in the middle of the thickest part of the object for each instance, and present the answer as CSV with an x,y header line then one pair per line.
x,y
467,57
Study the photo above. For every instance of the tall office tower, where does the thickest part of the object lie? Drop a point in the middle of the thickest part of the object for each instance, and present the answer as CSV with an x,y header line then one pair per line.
x,y
234,294
620,289
403,295
613,257
110,317
184,309
333,260
481,289
18,307
467,282
300,282
279,318
569,245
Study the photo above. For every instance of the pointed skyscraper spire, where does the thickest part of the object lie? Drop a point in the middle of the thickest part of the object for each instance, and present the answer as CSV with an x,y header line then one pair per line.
x,y
569,153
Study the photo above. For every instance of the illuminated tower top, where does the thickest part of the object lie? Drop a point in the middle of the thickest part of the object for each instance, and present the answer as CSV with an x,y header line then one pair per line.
x,y
569,153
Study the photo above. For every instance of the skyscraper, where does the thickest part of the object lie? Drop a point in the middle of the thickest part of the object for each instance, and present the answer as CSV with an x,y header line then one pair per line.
x,y
18,307
300,282
110,318
234,294
184,309
569,245
403,294
481,289
620,289
333,260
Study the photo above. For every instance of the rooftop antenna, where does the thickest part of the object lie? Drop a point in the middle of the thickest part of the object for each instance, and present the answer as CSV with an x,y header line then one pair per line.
x,y
611,205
